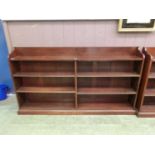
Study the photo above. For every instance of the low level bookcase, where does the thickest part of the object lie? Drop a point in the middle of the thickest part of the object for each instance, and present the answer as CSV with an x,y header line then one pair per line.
x,y
76,80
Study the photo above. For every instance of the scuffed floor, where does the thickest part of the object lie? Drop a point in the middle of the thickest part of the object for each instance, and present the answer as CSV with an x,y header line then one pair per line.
x,y
11,123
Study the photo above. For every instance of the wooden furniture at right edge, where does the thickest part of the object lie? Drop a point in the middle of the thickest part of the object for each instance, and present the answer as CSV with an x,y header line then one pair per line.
x,y
146,97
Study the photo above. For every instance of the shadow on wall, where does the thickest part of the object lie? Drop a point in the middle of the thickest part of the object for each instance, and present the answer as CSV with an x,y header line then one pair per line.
x,y
5,76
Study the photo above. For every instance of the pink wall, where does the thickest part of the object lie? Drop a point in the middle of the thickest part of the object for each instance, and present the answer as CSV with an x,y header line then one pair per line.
x,y
75,33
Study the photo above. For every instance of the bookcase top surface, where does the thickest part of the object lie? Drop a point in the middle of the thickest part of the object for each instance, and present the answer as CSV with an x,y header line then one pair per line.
x,y
76,53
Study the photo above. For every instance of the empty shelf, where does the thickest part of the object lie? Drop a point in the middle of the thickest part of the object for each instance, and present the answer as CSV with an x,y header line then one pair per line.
x,y
108,107
43,58
109,91
150,92
108,74
45,90
147,111
152,75
47,105
43,74
109,58
148,108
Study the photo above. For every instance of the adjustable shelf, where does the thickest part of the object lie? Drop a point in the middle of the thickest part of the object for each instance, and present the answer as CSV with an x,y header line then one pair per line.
x,y
150,92
152,76
42,74
108,108
146,97
76,80
107,91
39,107
108,74
45,90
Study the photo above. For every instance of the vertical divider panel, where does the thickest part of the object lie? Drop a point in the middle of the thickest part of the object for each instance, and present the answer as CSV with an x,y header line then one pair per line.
x,y
144,79
15,83
139,79
75,80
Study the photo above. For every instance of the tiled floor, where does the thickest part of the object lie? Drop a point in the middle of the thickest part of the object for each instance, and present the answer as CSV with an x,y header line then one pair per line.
x,y
11,123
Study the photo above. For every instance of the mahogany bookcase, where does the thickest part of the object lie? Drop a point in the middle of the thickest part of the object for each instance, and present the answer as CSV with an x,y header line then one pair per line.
x,y
71,80
146,97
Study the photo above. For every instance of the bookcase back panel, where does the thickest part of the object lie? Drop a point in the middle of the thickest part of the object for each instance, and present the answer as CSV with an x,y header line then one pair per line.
x,y
153,67
149,100
151,83
47,66
137,66
48,82
104,98
112,66
53,98
107,82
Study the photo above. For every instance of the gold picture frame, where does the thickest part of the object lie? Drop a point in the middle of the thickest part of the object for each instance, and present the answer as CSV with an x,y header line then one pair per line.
x,y
123,26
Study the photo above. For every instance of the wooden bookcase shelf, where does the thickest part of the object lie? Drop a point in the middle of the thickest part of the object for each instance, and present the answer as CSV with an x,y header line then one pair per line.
x,y
42,74
45,90
76,80
108,74
146,97
106,91
150,92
